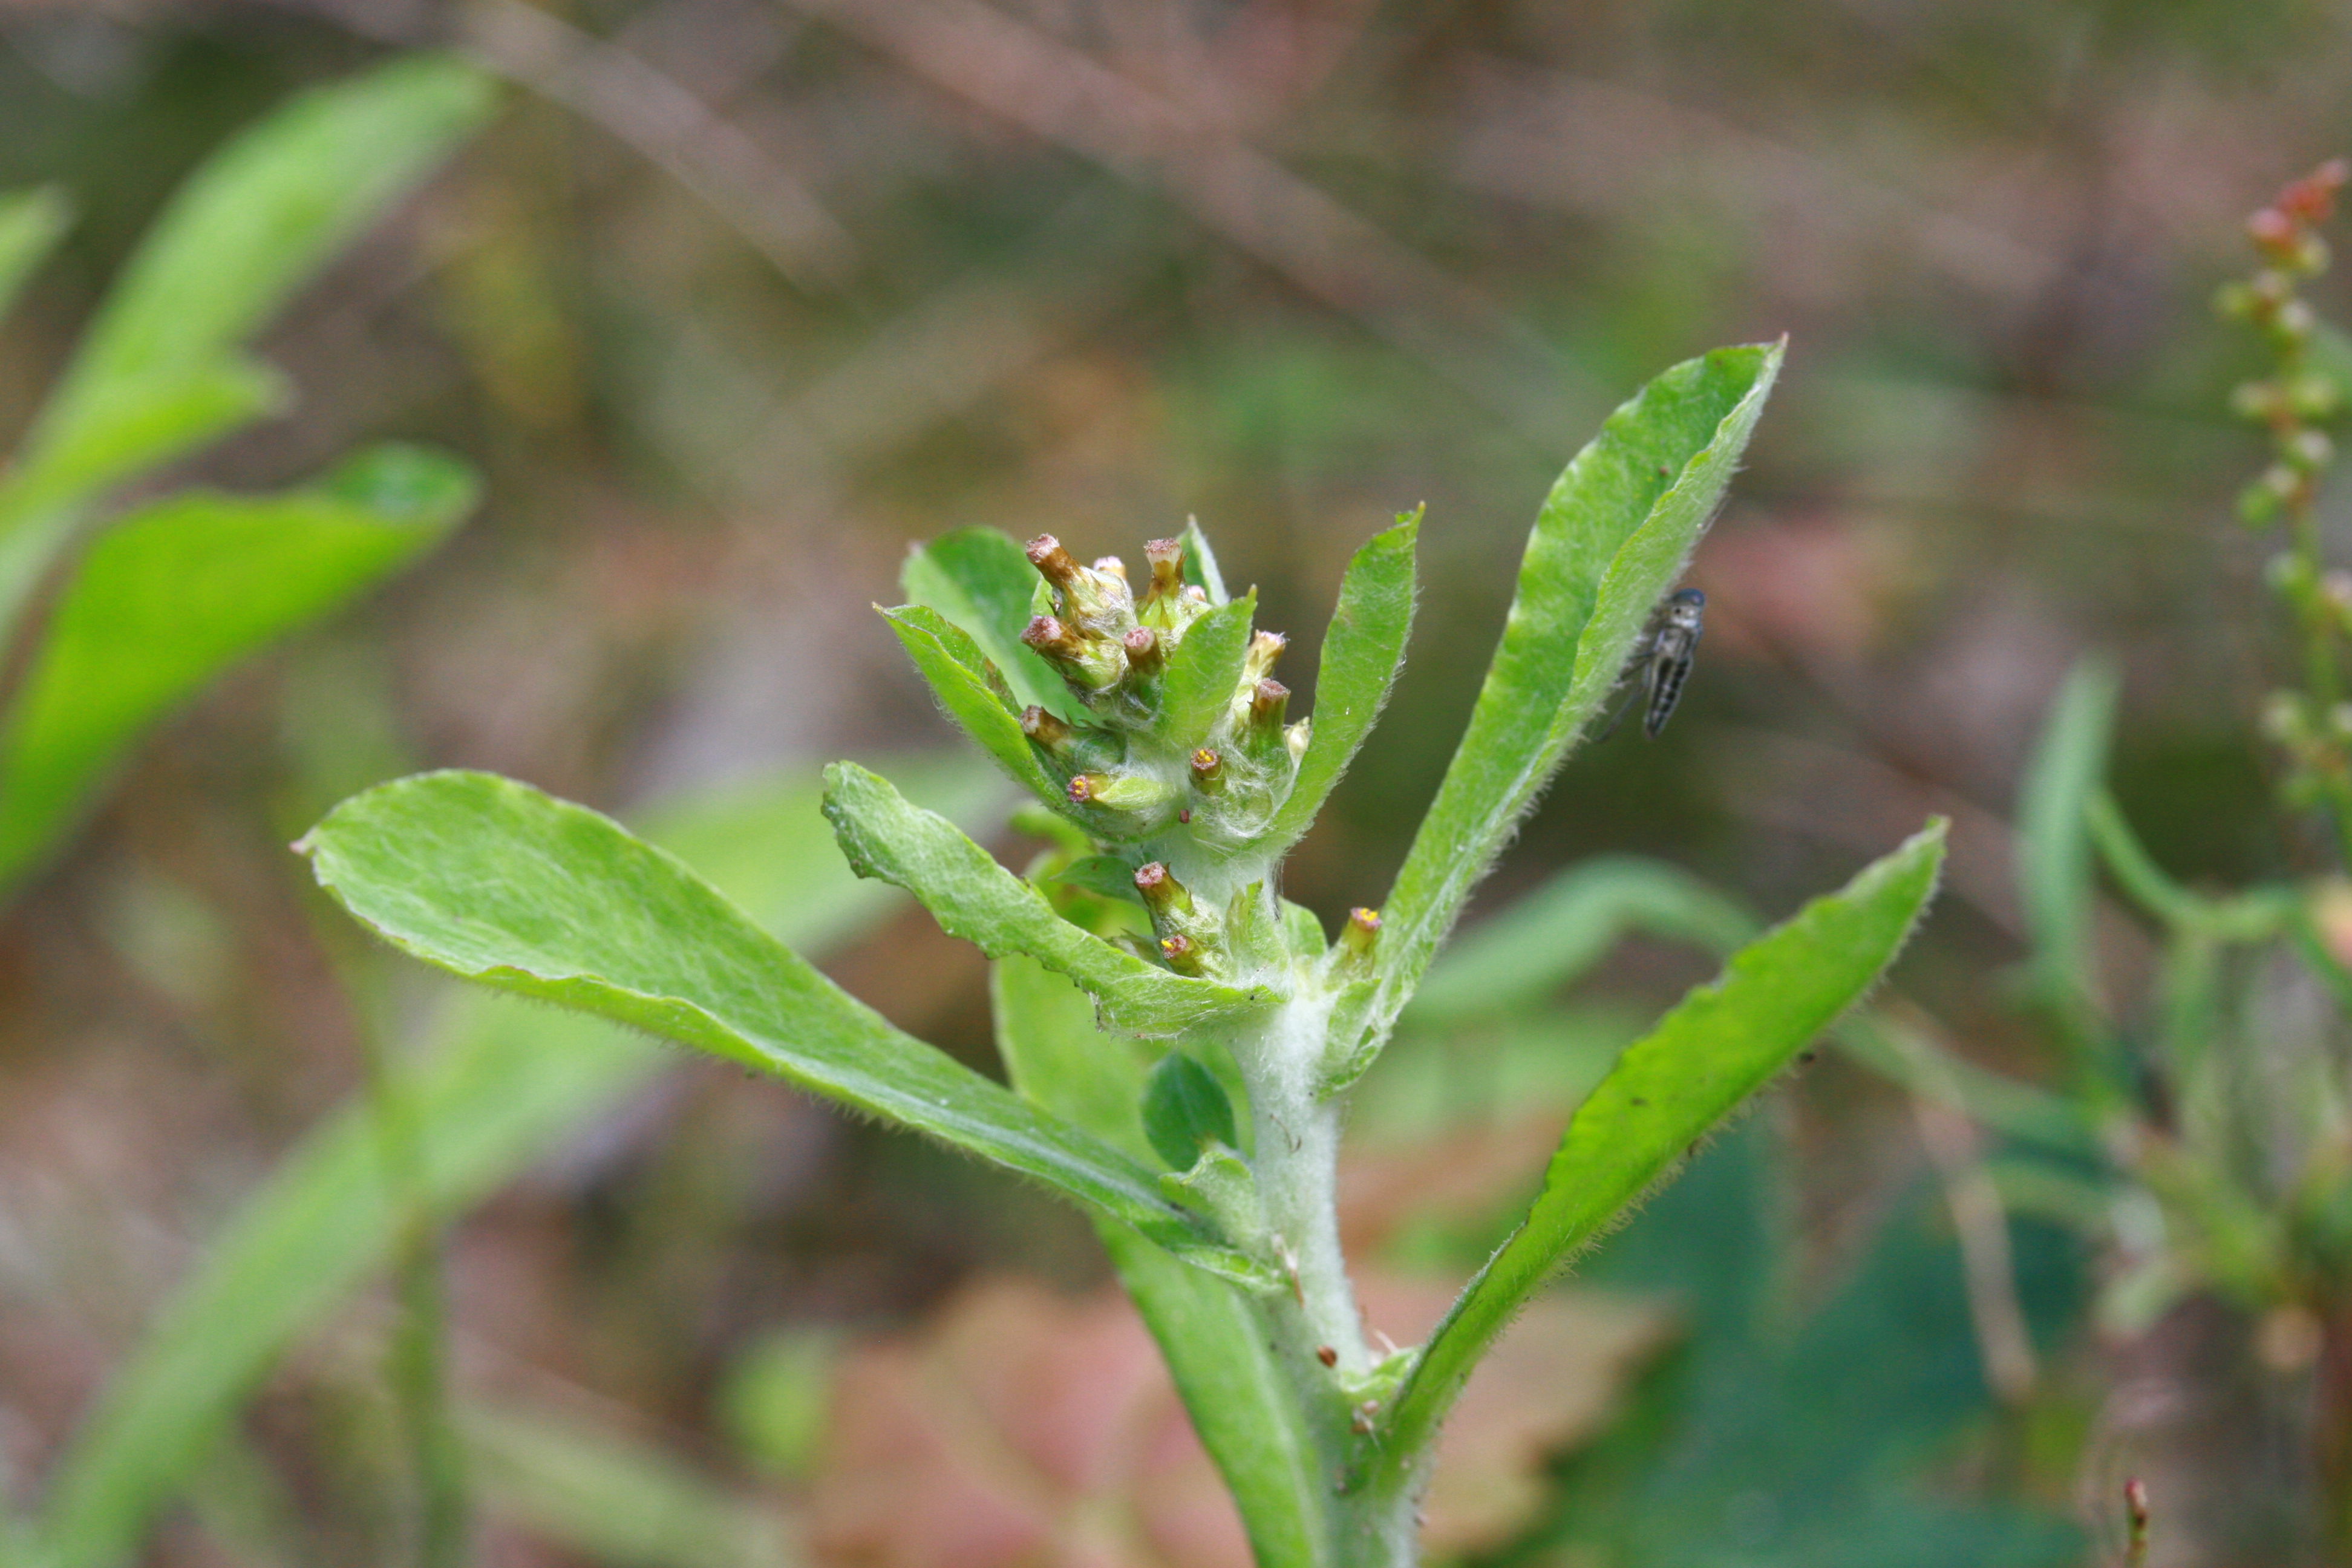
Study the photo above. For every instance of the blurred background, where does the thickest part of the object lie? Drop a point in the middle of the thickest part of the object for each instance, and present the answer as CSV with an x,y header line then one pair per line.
x,y
733,300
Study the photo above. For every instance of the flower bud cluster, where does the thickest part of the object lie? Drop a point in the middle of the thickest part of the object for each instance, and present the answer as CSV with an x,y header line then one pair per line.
x,y
2312,727
2293,401
1131,776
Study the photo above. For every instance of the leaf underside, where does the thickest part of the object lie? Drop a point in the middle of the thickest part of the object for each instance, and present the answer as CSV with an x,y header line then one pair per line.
x,y
498,883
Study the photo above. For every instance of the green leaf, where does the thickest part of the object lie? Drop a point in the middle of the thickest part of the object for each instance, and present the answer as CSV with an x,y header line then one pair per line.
x,y
1106,876
503,1082
1209,1333
1185,1111
176,592
1362,650
1553,935
31,224
1609,541
980,581
496,882
260,219
978,901
614,1498
131,426
975,695
2053,838
1719,1044
1200,562
1204,670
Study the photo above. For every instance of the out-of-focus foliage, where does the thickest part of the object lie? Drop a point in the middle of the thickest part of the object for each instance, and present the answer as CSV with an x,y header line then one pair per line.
x,y
171,592
498,1085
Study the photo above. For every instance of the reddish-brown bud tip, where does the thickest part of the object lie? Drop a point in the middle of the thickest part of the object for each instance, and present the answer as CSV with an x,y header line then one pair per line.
x,y
1142,647
1049,636
1044,728
1160,889
2312,198
1057,565
1326,1355
1208,770
1085,787
1268,701
1167,559
1182,953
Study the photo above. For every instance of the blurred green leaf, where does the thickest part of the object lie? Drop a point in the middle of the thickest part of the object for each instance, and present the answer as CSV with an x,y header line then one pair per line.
x,y
31,224
1203,670
260,218
1719,1044
2053,838
505,1081
775,1400
1610,539
2009,1106
1361,652
1185,1111
974,694
978,901
1554,935
496,882
615,1499
129,427
1210,1335
179,591
982,581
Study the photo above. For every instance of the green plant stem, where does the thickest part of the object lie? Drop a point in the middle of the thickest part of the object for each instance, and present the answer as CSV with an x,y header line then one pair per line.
x,y
1295,1162
2248,918
417,1362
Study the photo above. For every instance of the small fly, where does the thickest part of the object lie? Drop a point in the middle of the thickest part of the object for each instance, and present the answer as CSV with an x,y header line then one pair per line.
x,y
1664,655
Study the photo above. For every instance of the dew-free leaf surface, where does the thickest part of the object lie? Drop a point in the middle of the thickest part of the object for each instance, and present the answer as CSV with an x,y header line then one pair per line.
x,y
1609,542
973,897
1719,1044
175,594
1361,653
980,581
498,883
502,1081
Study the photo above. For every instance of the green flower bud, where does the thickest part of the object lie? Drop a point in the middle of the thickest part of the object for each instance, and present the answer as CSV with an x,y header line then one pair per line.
x,y
1167,559
1363,930
1208,770
1137,794
1161,891
1098,600
1144,656
1181,953
2309,451
2314,394
1089,664
1264,648
1268,700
